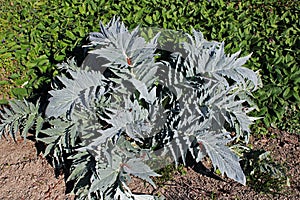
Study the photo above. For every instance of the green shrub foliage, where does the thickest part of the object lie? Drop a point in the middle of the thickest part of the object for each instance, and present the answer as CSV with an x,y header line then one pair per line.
x,y
33,44
122,117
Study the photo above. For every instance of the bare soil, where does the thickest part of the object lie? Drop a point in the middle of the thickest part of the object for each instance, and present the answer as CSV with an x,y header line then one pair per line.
x,y
26,175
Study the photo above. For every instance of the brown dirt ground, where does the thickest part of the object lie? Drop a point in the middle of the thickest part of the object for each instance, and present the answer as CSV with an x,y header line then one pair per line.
x,y
25,175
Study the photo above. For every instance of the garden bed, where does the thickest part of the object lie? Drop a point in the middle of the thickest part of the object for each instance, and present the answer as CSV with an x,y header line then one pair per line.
x,y
26,175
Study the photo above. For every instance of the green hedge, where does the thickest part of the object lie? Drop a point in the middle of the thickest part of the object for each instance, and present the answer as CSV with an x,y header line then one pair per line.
x,y
37,35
